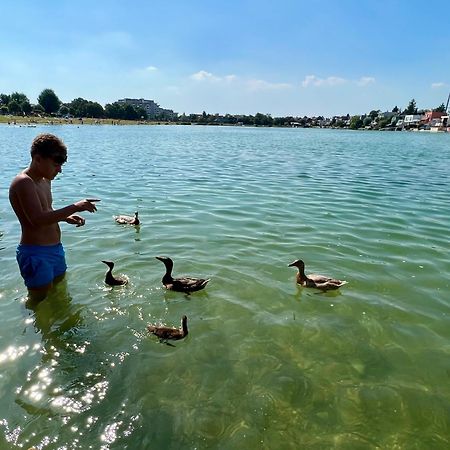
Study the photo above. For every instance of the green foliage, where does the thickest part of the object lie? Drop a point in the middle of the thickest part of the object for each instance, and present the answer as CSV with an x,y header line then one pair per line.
x,y
142,113
19,97
4,99
367,121
38,109
49,101
411,108
79,107
356,122
440,108
3,109
124,111
64,110
26,107
14,107
374,114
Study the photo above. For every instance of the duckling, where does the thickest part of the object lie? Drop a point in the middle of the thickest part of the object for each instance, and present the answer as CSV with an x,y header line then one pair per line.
x,y
313,280
128,220
182,284
110,278
165,333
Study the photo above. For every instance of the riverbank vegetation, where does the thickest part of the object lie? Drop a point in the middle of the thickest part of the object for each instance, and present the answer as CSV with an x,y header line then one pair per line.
x,y
16,108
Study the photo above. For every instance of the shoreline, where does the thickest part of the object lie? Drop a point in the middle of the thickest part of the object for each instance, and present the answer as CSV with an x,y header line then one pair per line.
x,y
20,121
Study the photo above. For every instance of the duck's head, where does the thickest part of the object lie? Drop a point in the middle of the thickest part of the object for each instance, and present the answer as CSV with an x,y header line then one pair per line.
x,y
136,214
110,264
297,263
165,259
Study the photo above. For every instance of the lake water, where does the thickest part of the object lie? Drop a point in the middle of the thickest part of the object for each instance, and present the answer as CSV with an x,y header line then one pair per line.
x,y
266,364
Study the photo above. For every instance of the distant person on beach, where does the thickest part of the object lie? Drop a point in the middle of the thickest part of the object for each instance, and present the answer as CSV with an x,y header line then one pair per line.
x,y
40,254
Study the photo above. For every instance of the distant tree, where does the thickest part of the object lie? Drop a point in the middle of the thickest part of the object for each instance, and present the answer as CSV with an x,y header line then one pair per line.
x,y
95,110
19,97
356,122
14,108
384,122
64,110
3,109
142,113
26,107
113,110
440,108
49,101
395,109
4,99
367,121
374,114
263,120
411,108
78,106
38,109
129,113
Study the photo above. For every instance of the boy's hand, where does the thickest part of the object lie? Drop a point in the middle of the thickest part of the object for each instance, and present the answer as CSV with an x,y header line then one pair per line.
x,y
75,219
88,204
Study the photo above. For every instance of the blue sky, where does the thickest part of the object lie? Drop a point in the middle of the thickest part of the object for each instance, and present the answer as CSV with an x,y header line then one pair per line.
x,y
279,57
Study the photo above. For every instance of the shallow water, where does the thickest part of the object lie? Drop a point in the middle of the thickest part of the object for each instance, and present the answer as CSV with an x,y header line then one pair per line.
x,y
266,364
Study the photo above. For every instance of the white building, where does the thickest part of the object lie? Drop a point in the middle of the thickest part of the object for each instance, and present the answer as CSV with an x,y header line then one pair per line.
x,y
152,108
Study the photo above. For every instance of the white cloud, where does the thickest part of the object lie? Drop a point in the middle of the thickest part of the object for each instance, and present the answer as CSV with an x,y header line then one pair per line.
x,y
203,75
312,80
261,85
364,81
438,85
151,68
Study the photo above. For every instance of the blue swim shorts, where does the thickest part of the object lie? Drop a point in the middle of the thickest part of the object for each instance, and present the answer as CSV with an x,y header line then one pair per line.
x,y
40,264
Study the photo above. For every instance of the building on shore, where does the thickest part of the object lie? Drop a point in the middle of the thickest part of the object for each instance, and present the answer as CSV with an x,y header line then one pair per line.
x,y
154,111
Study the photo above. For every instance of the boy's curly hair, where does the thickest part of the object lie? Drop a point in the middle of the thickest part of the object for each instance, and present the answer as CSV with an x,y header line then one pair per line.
x,y
49,146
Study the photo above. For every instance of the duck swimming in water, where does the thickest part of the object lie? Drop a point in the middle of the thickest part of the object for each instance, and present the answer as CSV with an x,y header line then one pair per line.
x,y
313,280
128,220
181,284
165,333
110,279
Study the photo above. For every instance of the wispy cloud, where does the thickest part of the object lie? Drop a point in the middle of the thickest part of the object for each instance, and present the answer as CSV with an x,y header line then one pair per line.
x,y
438,85
315,81
262,85
312,80
151,69
203,75
365,81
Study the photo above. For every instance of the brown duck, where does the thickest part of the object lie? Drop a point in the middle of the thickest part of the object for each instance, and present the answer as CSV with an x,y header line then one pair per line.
x,y
313,280
128,220
110,278
181,284
165,333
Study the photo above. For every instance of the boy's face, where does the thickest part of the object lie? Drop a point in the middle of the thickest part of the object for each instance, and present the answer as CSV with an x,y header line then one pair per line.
x,y
50,167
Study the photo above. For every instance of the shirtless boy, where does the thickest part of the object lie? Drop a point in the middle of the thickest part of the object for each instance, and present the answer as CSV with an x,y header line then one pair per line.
x,y
40,254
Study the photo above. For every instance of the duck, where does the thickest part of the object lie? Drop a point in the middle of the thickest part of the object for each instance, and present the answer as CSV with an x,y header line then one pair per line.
x,y
322,282
165,333
181,284
128,220
110,279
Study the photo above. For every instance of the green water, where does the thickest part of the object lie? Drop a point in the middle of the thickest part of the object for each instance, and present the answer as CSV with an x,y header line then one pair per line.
x,y
266,365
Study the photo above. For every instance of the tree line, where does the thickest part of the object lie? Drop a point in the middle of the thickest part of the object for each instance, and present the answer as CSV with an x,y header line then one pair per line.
x,y
48,103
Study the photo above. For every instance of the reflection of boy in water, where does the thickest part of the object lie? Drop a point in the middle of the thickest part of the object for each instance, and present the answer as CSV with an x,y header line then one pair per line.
x,y
40,254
